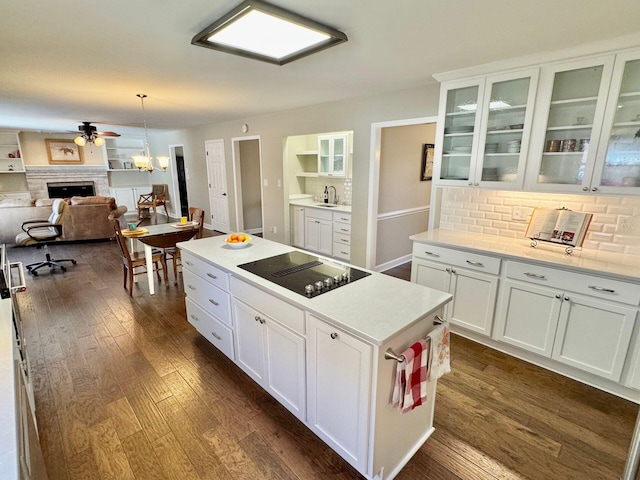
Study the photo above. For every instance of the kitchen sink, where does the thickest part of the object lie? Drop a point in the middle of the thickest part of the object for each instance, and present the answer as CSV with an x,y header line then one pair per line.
x,y
327,205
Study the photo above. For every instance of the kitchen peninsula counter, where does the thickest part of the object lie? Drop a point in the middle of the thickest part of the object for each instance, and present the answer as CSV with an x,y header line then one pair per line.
x,y
374,308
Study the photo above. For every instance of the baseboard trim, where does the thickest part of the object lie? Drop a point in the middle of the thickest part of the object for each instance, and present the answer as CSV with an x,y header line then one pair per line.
x,y
392,263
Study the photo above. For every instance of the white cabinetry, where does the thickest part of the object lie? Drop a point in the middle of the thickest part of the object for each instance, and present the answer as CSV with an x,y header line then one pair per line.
x,y
333,154
270,351
484,126
318,232
297,226
342,235
128,196
339,390
121,149
472,280
10,153
568,317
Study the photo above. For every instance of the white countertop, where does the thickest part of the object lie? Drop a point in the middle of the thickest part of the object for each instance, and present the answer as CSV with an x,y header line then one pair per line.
x,y
310,202
8,419
374,308
613,265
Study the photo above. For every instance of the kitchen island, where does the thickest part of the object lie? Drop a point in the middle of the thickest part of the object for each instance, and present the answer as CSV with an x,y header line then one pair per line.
x,y
323,358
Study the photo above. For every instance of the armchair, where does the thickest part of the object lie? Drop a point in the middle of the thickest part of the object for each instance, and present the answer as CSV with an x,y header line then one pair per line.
x,y
157,198
43,232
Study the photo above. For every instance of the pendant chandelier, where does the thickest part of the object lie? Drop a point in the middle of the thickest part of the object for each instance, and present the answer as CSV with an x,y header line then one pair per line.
x,y
144,163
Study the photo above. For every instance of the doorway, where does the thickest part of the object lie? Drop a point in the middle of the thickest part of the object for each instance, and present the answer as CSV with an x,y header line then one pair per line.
x,y
181,178
247,174
217,182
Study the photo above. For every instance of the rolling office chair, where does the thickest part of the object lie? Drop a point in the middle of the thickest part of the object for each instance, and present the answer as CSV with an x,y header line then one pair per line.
x,y
43,232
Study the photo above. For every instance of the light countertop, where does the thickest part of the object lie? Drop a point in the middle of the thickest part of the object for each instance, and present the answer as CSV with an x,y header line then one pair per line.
x,y
613,265
310,202
374,308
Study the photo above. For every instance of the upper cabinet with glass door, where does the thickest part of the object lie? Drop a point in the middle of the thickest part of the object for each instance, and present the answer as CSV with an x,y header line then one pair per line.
x,y
487,145
617,167
333,151
569,116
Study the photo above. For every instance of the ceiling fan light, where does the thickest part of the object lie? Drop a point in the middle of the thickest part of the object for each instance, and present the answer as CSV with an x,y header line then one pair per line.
x,y
80,141
98,141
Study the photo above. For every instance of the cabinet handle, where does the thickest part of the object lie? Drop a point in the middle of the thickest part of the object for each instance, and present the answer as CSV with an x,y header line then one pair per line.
x,y
216,336
191,287
437,320
559,297
259,319
188,263
195,318
334,335
594,189
475,264
431,254
585,189
535,275
566,299
214,302
262,320
344,253
256,318
471,184
601,289
453,270
211,275
476,184
344,240
344,230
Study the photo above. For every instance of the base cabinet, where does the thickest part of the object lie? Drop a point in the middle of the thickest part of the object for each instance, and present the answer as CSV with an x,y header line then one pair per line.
x,y
297,227
339,390
318,234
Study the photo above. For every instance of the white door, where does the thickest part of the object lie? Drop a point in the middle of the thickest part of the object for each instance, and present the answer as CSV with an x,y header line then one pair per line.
x,y
217,177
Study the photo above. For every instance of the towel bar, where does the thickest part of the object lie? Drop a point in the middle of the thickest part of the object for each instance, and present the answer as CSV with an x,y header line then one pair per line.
x,y
391,355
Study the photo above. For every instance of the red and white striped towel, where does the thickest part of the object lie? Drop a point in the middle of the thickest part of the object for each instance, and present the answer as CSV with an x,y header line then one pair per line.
x,y
410,389
440,362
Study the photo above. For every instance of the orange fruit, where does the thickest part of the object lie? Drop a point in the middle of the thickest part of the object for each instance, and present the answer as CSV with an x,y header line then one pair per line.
x,y
242,237
234,236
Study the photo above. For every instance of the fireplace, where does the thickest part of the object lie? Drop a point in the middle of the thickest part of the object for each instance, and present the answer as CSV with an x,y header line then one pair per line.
x,y
70,189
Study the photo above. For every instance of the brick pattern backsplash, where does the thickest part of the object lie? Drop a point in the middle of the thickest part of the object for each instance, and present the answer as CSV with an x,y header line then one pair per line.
x,y
315,186
491,212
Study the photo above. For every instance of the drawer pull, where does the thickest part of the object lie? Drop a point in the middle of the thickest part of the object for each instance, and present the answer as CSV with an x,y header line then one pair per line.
x,y
216,336
535,275
344,240
475,264
211,275
344,253
344,230
214,302
601,289
188,263
432,254
195,318
191,287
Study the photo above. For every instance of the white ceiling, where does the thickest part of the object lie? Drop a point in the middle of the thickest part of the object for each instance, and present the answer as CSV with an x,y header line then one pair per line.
x,y
67,61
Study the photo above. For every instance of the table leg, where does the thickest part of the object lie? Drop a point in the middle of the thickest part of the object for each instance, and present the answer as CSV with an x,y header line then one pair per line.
x,y
133,246
148,254
633,457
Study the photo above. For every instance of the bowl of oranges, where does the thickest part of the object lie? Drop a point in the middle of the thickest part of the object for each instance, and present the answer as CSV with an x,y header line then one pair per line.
x,y
238,240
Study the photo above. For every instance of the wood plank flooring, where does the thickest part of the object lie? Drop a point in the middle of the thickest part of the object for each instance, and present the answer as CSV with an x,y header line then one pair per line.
x,y
126,389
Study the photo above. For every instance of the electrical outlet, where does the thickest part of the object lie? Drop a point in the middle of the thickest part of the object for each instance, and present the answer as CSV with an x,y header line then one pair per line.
x,y
521,213
273,229
625,224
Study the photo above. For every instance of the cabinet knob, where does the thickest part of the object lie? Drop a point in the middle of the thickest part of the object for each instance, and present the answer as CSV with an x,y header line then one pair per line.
x,y
476,184
566,299
453,270
262,321
594,189
256,318
585,189
471,184
334,335
558,296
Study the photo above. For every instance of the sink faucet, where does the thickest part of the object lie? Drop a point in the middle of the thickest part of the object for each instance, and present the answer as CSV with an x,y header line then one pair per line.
x,y
335,195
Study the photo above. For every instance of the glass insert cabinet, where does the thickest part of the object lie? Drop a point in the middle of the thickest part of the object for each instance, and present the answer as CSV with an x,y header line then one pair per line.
x,y
484,130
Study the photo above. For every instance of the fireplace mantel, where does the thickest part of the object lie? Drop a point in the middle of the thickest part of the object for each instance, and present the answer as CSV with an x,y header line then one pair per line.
x,y
38,177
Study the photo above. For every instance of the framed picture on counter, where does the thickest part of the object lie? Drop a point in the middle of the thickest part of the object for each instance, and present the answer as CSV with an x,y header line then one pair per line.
x,y
62,151
428,153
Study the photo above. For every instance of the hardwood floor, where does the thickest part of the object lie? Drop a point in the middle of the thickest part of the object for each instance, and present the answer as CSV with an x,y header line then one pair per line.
x,y
126,389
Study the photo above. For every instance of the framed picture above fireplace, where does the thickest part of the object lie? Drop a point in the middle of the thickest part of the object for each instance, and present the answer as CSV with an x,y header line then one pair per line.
x,y
63,151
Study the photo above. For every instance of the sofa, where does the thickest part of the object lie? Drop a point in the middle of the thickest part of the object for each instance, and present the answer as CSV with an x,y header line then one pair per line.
x,y
85,218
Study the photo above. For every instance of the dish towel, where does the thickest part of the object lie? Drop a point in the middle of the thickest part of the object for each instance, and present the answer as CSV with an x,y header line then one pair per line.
x,y
440,361
410,388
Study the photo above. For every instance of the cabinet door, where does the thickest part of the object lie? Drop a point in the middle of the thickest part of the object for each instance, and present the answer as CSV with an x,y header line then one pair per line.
x,y
285,357
249,341
340,151
297,224
339,389
124,196
318,236
474,300
458,121
569,114
507,113
528,316
594,335
618,160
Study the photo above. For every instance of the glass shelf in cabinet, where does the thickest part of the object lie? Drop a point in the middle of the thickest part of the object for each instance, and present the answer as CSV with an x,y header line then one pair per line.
x,y
461,113
575,101
570,127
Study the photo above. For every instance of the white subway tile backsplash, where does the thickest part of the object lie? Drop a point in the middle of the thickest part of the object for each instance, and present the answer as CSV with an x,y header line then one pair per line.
x,y
491,211
475,229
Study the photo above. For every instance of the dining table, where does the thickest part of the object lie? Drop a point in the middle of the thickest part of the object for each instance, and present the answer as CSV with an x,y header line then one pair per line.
x,y
160,236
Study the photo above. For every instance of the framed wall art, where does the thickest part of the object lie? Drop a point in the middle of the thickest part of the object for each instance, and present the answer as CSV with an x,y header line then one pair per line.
x,y
61,151
428,152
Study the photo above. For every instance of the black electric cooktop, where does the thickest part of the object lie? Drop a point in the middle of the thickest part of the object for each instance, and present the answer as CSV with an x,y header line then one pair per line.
x,y
305,274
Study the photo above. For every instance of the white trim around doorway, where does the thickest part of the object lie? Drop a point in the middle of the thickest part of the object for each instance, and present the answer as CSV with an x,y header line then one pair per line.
x,y
236,180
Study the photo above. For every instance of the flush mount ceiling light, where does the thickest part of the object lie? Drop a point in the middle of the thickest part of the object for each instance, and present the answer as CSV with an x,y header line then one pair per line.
x,y
261,31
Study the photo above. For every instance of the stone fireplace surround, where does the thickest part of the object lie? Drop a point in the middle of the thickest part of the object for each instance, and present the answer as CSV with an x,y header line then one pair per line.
x,y
38,177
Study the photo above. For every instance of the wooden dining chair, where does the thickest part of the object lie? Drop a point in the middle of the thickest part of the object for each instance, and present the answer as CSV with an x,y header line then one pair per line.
x,y
173,253
157,198
135,263
167,243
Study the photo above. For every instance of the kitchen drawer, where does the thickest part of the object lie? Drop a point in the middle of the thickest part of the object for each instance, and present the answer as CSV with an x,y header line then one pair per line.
x,y
277,309
472,261
321,213
342,228
342,217
211,274
209,327
341,239
211,298
341,250
591,285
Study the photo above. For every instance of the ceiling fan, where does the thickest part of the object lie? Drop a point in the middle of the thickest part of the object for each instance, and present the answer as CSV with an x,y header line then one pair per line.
x,y
90,134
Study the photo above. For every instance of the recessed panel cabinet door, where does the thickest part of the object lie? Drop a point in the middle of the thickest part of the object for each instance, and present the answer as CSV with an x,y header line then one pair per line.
x,y
528,316
339,390
594,335
474,300
249,341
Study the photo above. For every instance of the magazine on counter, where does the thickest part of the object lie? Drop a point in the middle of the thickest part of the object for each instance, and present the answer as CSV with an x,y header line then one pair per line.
x,y
559,226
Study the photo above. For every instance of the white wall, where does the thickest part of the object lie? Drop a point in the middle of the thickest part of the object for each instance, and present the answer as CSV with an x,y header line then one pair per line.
x,y
351,114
